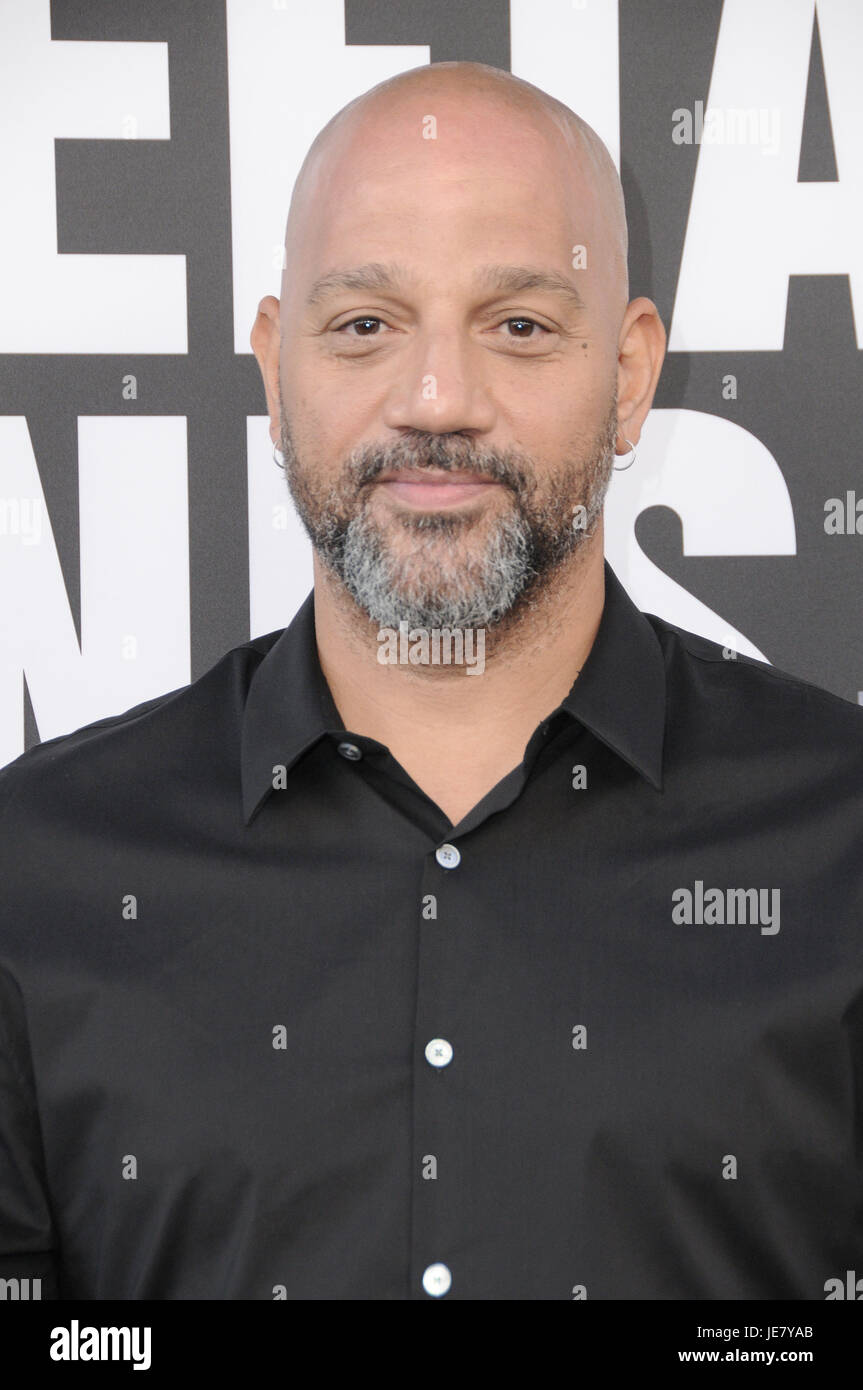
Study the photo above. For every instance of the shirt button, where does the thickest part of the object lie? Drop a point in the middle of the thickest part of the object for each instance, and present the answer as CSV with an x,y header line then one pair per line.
x,y
439,1052
447,856
350,751
437,1280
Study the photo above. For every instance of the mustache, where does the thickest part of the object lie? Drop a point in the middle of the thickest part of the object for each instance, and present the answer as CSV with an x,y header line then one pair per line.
x,y
443,453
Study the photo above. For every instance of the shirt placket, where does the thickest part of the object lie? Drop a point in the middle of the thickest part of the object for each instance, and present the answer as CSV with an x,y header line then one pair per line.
x,y
437,1084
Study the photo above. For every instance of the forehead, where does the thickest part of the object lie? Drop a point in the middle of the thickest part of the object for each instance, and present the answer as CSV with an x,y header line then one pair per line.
x,y
427,177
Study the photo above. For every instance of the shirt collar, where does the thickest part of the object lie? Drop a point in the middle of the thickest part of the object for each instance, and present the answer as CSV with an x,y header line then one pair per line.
x,y
620,692
619,695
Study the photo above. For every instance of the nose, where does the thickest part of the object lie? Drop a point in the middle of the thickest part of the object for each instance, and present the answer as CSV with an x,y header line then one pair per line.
x,y
438,387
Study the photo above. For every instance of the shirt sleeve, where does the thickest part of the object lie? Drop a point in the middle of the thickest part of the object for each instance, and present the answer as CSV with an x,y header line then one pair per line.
x,y
28,1244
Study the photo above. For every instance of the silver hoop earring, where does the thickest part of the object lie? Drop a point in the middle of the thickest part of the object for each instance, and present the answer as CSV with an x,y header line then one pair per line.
x,y
279,462
621,468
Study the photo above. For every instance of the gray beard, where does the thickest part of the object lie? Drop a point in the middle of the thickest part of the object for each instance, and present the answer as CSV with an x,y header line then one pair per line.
x,y
524,551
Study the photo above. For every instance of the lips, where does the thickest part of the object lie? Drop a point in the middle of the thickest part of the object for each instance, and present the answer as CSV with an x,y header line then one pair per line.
x,y
433,488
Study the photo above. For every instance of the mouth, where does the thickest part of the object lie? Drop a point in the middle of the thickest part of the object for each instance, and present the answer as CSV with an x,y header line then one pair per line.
x,y
434,489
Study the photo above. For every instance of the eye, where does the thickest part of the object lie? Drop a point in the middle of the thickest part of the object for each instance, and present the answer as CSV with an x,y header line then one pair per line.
x,y
368,322
529,323
521,329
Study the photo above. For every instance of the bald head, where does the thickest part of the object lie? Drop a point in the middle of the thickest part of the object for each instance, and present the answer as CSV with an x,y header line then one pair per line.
x,y
483,116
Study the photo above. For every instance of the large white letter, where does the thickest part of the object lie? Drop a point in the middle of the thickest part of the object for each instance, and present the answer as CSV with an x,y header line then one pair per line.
x,y
731,498
133,500
751,224
85,91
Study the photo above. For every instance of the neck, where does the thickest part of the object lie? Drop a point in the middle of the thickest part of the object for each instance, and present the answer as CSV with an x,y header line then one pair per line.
x,y
528,667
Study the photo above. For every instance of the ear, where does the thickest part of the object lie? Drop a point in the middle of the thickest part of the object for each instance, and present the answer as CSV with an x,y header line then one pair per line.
x,y
265,338
640,357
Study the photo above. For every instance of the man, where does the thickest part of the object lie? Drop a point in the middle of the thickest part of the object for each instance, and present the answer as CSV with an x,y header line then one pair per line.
x,y
351,971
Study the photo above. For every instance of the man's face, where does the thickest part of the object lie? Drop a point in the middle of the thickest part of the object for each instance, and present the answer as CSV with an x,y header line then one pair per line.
x,y
438,372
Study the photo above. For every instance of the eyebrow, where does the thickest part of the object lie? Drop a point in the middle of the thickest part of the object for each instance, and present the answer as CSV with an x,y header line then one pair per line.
x,y
502,279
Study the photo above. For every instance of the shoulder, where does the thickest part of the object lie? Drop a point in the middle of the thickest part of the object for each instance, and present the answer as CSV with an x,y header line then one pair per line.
x,y
155,731
750,701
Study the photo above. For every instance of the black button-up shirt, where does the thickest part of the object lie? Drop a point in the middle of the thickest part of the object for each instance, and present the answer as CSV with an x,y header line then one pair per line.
x,y
293,1034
